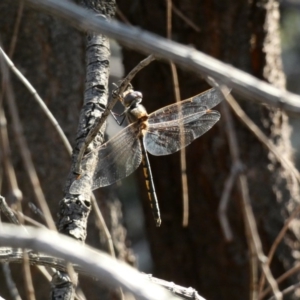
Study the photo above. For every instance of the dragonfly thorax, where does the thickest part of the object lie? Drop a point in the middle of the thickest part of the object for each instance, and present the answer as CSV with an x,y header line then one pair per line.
x,y
134,110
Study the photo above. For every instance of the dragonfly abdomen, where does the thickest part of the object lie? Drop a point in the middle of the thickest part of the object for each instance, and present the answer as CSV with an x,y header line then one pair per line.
x,y
150,185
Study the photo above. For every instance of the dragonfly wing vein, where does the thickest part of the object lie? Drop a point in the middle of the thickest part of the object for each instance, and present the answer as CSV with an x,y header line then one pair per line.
x,y
197,104
115,159
167,137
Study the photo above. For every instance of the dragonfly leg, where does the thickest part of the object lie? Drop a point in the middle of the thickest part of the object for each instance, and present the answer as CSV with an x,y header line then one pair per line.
x,y
123,114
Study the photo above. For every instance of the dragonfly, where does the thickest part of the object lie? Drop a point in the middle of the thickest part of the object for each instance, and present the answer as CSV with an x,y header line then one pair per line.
x,y
163,132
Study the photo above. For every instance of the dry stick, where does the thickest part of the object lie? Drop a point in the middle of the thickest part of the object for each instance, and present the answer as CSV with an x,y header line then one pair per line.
x,y
250,222
262,137
115,97
251,228
28,278
25,153
60,133
186,293
6,159
184,184
10,282
12,178
276,243
237,164
288,290
236,169
122,16
8,212
184,56
103,227
41,259
16,29
280,279
39,101
96,263
184,18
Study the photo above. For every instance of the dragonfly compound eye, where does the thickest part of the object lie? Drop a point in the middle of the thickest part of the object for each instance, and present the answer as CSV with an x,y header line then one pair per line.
x,y
132,97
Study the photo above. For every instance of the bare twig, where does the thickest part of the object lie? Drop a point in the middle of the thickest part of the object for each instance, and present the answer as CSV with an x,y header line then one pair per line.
x,y
183,292
16,29
184,184
253,238
115,97
6,159
42,259
236,169
96,263
103,227
288,290
7,211
25,153
14,293
184,56
39,101
280,279
262,137
185,19
250,222
28,278
276,243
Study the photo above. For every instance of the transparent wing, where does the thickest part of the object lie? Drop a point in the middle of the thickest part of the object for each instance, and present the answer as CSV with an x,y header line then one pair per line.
x,y
116,159
196,104
166,138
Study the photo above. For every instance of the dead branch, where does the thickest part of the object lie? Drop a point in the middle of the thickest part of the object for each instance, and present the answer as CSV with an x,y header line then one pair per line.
x,y
96,263
186,57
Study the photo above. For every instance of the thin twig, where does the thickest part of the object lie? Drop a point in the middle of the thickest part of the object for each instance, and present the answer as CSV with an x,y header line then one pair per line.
x,y
185,19
184,183
8,212
276,243
25,153
96,263
102,226
139,40
16,29
242,183
250,222
13,290
122,16
39,100
262,137
28,278
280,279
253,238
222,209
114,98
236,169
288,290
6,159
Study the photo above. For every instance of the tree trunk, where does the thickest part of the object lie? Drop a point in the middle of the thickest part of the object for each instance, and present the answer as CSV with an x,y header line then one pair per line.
x,y
51,56
244,34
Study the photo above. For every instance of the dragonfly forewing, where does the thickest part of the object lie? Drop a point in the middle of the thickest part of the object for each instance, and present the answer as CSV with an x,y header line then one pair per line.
x,y
196,104
167,137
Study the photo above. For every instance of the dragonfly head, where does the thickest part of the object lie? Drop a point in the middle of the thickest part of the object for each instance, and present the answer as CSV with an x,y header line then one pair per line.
x,y
132,98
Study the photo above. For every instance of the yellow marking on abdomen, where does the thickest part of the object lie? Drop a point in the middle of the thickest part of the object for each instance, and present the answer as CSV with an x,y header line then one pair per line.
x,y
150,198
148,185
145,172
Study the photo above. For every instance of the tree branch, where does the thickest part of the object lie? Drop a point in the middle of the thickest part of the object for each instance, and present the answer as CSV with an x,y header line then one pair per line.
x,y
184,56
93,262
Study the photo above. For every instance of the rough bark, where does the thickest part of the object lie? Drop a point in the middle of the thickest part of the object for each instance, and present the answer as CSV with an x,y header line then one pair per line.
x,y
51,55
244,34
